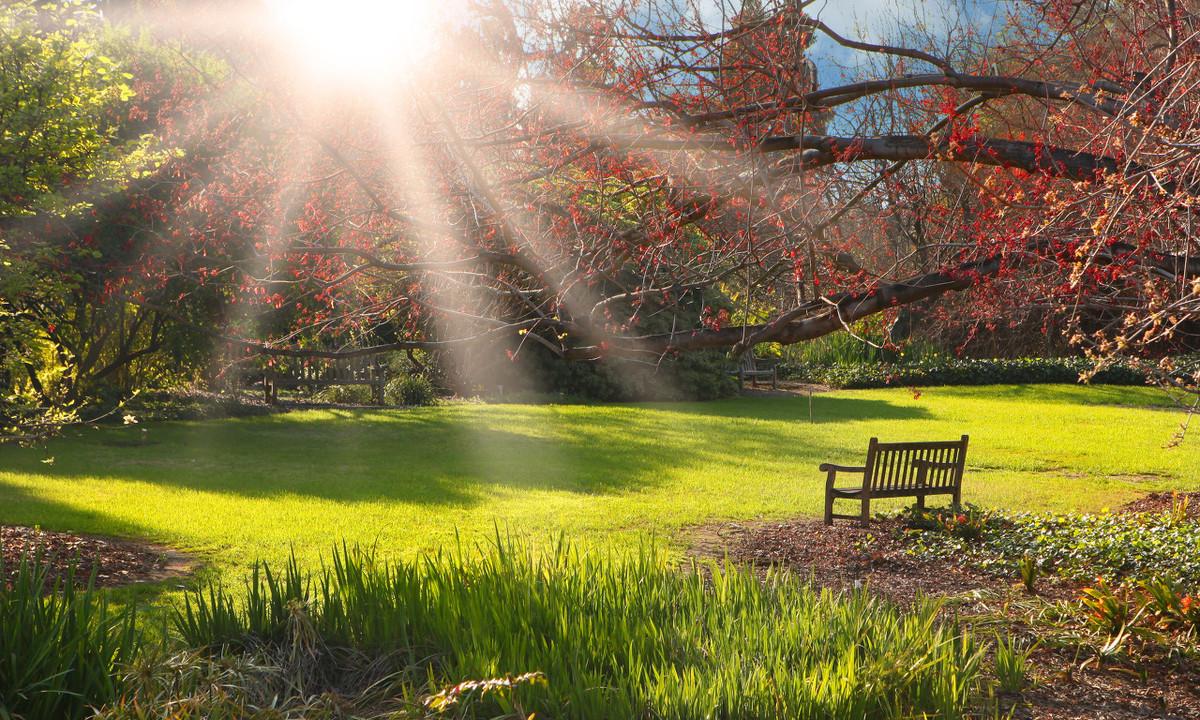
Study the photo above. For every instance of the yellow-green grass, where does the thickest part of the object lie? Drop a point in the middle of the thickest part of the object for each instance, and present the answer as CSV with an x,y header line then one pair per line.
x,y
409,480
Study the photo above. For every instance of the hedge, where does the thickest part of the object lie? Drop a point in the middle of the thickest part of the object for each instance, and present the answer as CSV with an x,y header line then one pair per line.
x,y
954,371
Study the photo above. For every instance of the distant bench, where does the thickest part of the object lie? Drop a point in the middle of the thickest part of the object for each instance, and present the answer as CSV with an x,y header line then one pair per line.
x,y
371,372
905,469
749,369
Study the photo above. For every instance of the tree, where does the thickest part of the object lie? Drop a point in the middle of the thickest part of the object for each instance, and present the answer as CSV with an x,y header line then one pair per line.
x,y
734,192
626,180
74,164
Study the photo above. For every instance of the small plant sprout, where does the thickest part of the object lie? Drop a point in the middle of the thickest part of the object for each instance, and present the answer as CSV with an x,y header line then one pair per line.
x,y
1012,663
1030,571
1179,507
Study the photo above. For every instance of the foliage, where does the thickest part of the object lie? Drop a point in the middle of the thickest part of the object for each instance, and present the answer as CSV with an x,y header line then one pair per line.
x,y
1149,612
692,376
75,157
344,395
59,86
1110,545
1030,571
191,685
62,644
601,253
934,371
186,404
410,390
610,637
967,523
1111,610
1012,663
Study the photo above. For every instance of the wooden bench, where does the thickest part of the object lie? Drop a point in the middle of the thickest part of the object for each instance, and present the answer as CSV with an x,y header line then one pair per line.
x,y
748,368
371,372
905,469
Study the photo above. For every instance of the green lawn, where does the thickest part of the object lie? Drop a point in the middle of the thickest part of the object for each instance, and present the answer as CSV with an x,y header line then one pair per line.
x,y
234,490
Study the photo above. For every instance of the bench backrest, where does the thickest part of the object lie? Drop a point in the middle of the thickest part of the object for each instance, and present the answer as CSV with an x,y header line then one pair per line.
x,y
893,466
347,370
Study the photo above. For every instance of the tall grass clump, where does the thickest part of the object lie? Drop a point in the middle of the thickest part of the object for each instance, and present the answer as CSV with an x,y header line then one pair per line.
x,y
61,646
573,634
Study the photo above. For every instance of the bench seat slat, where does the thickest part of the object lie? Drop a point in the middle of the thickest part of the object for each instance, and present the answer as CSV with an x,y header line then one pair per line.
x,y
898,492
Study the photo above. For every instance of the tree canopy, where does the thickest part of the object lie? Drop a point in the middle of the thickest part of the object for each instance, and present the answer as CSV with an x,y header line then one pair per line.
x,y
598,182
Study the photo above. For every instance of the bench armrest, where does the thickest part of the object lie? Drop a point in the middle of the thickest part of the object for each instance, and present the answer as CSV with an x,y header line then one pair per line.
x,y
833,470
830,467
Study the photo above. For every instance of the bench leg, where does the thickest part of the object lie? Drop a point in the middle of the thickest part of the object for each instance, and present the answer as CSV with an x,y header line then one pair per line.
x,y
956,498
828,509
920,502
866,512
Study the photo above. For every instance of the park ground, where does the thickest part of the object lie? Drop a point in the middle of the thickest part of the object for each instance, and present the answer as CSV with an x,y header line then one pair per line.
x,y
408,481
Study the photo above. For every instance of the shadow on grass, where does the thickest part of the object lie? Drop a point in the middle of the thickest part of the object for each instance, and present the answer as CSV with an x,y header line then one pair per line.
x,y
449,456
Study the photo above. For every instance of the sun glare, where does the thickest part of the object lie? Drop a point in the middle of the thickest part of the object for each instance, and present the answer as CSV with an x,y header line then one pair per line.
x,y
358,40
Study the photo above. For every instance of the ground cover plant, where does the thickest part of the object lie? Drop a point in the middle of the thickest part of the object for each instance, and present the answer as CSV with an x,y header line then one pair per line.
x,y
1065,644
504,630
235,490
1138,572
1112,546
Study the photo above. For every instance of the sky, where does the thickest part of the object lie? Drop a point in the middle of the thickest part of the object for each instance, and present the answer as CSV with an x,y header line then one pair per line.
x,y
876,21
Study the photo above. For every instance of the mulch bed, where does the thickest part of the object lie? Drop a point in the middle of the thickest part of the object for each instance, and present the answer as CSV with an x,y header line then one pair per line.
x,y
1165,501
845,556
114,562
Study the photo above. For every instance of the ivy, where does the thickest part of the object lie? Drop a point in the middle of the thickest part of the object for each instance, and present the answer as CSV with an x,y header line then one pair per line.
x,y
1115,546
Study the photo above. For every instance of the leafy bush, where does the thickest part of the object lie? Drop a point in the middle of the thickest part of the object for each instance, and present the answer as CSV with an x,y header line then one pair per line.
x,y
933,371
1171,607
966,522
1152,612
410,390
344,395
192,405
704,375
600,638
60,645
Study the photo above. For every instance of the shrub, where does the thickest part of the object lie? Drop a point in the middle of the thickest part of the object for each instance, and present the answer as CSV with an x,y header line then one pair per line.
x,y
60,645
967,522
933,371
193,405
410,390
704,375
580,635
344,395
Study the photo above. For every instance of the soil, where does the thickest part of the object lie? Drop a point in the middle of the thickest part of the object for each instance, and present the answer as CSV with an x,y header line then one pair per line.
x,y
784,388
845,556
1165,502
114,562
